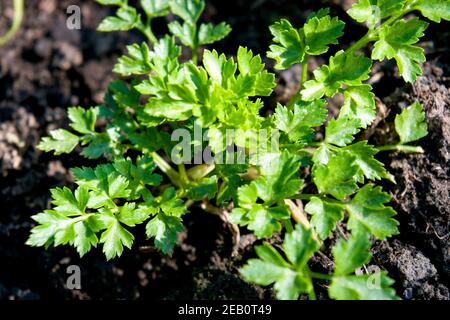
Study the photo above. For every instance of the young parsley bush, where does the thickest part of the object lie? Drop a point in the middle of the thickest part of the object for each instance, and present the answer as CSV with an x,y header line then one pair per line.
x,y
136,184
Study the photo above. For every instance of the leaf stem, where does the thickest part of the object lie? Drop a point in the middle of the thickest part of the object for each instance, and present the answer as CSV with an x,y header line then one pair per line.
x,y
304,76
369,36
146,29
183,175
306,196
194,48
194,55
17,20
166,168
401,148
321,276
288,226
303,79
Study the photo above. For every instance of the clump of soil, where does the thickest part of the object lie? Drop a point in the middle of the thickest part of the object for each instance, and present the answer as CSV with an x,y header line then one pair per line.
x,y
421,196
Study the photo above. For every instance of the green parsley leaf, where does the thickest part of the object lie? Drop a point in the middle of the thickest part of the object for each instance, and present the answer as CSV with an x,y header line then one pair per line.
x,y
60,141
340,132
320,32
164,229
155,8
324,216
289,277
126,19
369,167
372,11
369,214
188,10
290,48
300,246
115,237
344,68
299,122
410,124
185,32
364,287
209,33
359,103
136,62
397,41
338,176
83,121
435,10
167,223
351,254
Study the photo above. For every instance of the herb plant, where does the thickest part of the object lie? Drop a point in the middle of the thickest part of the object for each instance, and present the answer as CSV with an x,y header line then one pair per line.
x,y
136,183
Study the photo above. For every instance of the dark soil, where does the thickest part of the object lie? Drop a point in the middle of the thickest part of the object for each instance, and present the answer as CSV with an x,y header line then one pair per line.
x,y
48,68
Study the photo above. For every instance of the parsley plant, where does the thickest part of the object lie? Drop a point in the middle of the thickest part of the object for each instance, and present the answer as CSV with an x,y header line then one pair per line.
x,y
136,183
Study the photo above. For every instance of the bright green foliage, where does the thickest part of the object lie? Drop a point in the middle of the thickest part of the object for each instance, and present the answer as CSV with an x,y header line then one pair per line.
x,y
61,141
290,277
369,167
314,38
76,218
290,48
208,33
376,286
189,33
344,68
299,123
359,104
324,216
350,255
372,11
337,177
137,61
155,8
165,226
397,42
435,10
278,182
188,10
320,32
126,18
410,124
340,132
369,214
83,122
217,100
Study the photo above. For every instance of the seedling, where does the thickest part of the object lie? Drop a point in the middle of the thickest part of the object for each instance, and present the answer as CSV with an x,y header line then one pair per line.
x,y
137,184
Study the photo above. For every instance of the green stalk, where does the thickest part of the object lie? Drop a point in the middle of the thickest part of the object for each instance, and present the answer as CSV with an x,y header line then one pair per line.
x,y
306,196
183,175
320,276
304,76
288,225
401,148
17,20
303,79
361,42
147,30
194,48
194,55
166,168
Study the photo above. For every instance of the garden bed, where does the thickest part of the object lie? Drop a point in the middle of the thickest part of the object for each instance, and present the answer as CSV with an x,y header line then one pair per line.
x,y
47,68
